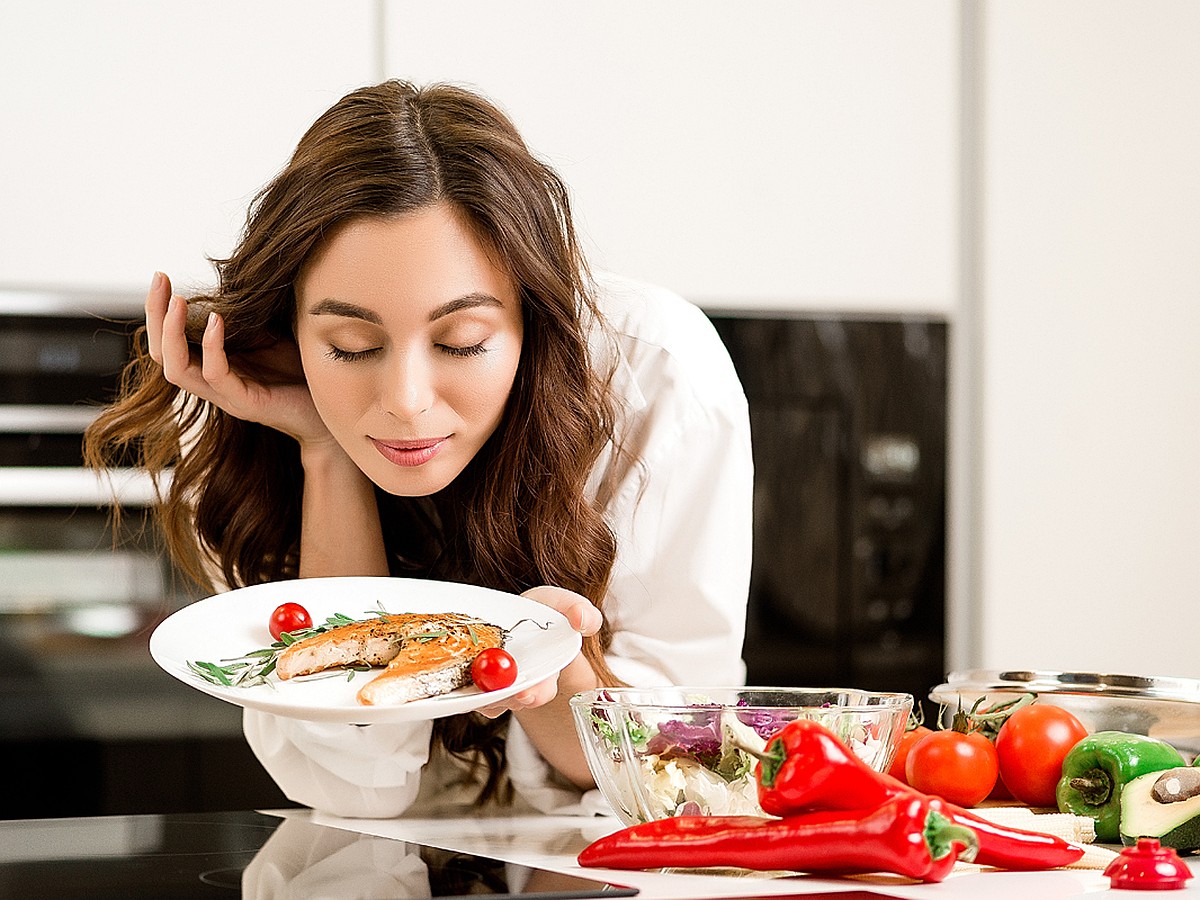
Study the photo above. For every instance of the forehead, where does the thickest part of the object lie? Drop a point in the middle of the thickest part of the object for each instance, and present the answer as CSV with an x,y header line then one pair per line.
x,y
424,258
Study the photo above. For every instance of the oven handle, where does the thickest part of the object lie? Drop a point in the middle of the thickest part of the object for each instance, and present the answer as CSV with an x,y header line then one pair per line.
x,y
66,486
16,418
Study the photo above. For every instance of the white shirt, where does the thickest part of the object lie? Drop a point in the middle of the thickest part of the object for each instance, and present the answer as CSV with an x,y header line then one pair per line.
x,y
676,604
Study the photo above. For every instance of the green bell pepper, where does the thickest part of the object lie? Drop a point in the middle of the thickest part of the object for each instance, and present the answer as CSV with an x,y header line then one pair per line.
x,y
1099,766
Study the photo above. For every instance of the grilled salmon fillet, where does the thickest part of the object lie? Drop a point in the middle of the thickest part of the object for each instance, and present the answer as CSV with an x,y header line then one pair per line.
x,y
426,654
429,667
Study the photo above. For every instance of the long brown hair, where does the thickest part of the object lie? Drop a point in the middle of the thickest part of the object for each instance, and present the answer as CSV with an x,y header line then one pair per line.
x,y
518,515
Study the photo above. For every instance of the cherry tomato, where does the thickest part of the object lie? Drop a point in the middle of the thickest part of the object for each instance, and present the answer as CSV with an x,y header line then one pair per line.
x,y
959,768
908,740
1031,746
493,669
289,617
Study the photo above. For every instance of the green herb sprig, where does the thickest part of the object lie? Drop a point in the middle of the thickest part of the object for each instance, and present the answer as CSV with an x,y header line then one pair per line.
x,y
253,668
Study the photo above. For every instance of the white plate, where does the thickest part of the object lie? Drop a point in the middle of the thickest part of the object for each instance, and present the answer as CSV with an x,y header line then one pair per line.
x,y
229,625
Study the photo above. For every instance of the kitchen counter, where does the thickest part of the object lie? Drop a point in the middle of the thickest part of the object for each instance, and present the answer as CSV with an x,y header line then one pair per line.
x,y
273,854
553,842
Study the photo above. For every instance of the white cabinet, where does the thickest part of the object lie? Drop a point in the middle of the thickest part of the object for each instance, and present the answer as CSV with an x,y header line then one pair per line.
x,y
785,155
780,154
136,132
1090,320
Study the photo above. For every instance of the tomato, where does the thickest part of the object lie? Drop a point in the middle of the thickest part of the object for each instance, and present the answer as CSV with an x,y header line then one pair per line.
x,y
1031,746
1000,791
493,669
289,617
960,768
908,740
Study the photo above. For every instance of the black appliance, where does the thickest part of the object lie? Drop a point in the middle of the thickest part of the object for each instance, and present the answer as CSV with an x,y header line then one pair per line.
x,y
848,420
92,725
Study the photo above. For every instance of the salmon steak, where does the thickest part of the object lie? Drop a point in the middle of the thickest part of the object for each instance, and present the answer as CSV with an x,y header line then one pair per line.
x,y
424,654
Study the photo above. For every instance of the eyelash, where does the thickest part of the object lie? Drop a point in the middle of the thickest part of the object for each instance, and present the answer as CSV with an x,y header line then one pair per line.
x,y
340,355
473,350
337,353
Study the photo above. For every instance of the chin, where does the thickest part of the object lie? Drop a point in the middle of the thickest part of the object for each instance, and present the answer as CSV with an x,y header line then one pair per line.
x,y
411,483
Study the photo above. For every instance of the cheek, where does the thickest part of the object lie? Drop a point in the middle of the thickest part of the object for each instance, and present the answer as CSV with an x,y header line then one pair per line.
x,y
336,393
486,392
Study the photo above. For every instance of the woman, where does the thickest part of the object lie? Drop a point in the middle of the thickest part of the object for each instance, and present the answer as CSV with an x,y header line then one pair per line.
x,y
407,369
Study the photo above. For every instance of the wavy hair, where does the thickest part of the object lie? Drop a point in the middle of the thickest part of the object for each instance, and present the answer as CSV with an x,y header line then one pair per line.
x,y
518,515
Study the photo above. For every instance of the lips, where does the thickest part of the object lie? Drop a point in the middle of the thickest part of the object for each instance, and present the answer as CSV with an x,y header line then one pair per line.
x,y
410,453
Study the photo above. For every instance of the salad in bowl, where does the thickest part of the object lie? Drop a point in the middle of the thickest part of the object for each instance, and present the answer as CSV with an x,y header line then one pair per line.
x,y
660,752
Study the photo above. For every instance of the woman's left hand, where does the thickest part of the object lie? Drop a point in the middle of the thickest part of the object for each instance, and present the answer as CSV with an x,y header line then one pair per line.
x,y
583,617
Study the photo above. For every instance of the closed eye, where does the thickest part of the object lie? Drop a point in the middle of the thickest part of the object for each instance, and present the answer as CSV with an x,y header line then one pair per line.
x,y
473,350
341,355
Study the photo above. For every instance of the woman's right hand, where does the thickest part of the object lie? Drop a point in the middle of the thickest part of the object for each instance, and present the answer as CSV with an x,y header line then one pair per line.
x,y
265,386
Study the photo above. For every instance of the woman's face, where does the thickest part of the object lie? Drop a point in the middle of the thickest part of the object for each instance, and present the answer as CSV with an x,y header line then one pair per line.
x,y
410,338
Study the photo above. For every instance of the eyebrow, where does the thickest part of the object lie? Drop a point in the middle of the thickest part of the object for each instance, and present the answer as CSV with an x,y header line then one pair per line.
x,y
331,307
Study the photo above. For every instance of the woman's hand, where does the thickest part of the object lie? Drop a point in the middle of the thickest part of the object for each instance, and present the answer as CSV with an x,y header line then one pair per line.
x,y
265,386
585,619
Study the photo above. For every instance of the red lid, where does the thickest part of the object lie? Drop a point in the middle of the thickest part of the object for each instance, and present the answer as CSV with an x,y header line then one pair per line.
x,y
1148,867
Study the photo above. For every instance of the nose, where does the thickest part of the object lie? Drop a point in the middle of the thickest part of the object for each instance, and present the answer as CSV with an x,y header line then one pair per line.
x,y
409,386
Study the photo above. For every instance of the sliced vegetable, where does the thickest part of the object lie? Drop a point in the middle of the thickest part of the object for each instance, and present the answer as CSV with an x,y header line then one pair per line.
x,y
907,835
1163,805
1099,766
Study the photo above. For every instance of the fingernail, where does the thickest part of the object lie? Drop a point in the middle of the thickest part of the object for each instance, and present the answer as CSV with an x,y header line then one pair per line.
x,y
212,321
156,280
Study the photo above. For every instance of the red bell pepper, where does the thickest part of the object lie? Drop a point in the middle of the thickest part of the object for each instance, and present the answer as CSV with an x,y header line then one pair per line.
x,y
907,836
805,767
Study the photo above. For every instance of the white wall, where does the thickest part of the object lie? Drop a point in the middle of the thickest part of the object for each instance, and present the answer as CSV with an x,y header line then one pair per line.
x,y
134,132
785,153
800,157
1090,323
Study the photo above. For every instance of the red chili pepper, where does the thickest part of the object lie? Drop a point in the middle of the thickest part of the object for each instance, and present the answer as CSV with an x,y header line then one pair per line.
x,y
906,836
805,767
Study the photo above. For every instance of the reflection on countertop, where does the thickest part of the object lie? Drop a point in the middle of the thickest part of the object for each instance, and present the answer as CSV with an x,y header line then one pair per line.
x,y
553,842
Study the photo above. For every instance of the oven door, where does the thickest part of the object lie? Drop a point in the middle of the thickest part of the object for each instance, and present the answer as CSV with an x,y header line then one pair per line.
x,y
93,725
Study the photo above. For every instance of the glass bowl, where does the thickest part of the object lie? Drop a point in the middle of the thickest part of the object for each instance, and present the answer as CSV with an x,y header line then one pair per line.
x,y
661,752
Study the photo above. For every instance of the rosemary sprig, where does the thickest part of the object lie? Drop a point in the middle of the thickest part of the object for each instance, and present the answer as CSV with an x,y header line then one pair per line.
x,y
253,668
426,636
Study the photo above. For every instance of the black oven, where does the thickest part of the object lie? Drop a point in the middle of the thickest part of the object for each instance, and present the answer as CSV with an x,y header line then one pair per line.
x,y
848,420
86,717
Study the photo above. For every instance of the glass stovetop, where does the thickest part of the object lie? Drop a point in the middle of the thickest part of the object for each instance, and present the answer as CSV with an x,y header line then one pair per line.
x,y
250,855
